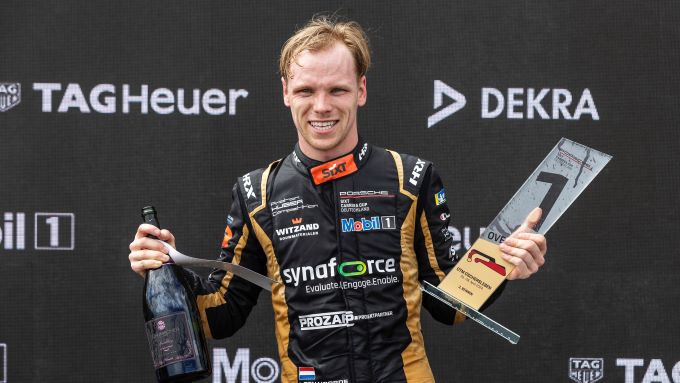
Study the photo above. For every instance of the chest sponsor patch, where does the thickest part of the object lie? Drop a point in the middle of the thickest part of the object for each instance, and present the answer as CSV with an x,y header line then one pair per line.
x,y
331,170
289,205
336,319
298,229
368,224
358,201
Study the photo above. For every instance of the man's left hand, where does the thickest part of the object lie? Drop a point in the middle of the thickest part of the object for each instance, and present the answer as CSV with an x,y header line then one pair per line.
x,y
524,248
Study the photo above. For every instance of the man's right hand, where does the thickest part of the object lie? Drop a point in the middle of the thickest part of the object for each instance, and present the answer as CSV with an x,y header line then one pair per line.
x,y
147,253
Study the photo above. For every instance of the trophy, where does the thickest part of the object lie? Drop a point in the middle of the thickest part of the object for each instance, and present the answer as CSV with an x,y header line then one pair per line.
x,y
553,186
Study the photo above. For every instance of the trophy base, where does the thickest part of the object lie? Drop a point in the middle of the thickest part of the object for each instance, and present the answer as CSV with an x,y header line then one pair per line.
x,y
471,313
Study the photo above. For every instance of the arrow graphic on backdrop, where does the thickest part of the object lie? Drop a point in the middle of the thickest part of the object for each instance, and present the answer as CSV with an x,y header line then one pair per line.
x,y
441,89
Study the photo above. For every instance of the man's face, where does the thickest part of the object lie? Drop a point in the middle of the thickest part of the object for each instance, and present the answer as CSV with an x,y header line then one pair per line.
x,y
323,94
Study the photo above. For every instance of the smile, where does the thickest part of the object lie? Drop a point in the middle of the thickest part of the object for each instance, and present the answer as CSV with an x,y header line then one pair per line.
x,y
323,125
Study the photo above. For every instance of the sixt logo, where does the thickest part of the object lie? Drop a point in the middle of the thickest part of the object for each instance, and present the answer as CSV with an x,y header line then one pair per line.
x,y
371,223
334,170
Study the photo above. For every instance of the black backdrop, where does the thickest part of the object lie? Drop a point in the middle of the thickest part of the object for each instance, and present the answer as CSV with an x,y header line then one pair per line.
x,y
70,308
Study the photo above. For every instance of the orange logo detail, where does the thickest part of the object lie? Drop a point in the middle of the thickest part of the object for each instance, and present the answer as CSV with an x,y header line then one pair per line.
x,y
331,170
296,221
227,236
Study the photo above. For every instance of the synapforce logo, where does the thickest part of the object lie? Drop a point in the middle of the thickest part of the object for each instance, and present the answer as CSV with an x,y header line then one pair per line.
x,y
295,275
370,223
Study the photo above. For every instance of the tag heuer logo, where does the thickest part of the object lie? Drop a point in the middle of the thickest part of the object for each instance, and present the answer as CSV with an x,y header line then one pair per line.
x,y
10,95
586,370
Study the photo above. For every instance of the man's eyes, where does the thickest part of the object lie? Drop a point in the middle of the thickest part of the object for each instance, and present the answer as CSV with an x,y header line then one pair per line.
x,y
308,91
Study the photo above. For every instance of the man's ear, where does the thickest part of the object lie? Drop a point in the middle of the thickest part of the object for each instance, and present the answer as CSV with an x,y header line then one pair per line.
x,y
362,91
284,85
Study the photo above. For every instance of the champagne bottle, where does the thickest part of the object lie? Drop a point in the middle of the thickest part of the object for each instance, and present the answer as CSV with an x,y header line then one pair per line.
x,y
173,328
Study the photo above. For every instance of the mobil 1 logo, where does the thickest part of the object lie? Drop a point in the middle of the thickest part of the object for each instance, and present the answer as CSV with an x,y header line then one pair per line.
x,y
51,231
586,370
54,231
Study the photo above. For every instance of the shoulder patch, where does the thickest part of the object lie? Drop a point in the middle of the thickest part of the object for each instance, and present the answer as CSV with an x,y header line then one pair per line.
x,y
414,172
250,186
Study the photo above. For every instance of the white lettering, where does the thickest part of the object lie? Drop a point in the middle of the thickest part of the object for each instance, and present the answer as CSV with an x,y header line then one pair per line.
x,y
486,92
586,105
513,102
194,108
221,365
214,102
534,103
142,99
73,98
233,96
629,365
109,105
560,106
656,372
415,174
46,88
162,96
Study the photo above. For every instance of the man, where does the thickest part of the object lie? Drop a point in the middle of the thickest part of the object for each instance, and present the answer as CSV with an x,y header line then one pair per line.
x,y
349,229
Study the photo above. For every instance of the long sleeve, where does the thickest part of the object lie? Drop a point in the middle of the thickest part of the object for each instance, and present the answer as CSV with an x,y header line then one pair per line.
x,y
433,245
225,300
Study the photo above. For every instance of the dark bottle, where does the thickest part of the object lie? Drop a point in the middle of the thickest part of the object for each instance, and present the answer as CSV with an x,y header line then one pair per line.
x,y
173,328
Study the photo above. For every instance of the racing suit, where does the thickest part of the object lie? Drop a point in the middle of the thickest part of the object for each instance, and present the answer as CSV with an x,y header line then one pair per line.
x,y
349,240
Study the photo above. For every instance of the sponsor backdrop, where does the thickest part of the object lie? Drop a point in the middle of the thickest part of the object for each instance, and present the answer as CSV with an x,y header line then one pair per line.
x,y
106,107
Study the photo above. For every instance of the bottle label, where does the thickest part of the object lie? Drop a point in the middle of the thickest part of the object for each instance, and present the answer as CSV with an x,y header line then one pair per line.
x,y
169,339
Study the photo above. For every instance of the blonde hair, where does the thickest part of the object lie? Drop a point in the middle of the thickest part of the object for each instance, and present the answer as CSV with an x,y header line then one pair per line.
x,y
322,32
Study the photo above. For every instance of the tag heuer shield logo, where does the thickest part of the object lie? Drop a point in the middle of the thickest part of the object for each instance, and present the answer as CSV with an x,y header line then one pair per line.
x,y
586,370
10,95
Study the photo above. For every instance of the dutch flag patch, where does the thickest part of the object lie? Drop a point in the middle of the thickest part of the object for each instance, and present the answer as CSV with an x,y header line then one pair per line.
x,y
306,373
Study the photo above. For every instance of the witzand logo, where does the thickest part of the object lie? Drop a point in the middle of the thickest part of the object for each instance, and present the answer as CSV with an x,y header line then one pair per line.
x,y
10,95
517,103
298,229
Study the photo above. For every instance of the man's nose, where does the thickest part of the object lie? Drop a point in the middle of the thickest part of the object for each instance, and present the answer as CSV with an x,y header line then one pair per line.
x,y
322,103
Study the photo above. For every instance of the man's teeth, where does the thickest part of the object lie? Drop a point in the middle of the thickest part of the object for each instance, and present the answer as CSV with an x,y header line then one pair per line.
x,y
322,124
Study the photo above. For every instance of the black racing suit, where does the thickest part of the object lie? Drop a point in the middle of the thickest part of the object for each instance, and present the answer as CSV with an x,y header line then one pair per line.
x,y
350,240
